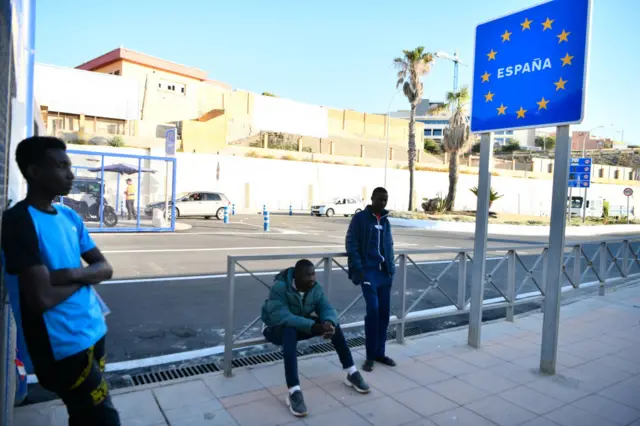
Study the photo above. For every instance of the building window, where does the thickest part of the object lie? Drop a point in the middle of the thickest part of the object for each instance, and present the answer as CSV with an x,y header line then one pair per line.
x,y
500,140
116,72
601,172
170,86
508,132
616,174
500,133
631,175
428,132
437,132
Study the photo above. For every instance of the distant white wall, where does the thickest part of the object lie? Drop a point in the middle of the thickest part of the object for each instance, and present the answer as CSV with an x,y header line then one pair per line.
x,y
83,92
287,116
279,183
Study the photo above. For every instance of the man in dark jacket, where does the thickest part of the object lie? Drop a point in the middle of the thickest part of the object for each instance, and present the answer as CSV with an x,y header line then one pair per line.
x,y
297,309
372,266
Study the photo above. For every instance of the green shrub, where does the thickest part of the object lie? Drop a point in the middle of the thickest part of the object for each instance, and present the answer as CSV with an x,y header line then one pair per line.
x,y
432,146
116,141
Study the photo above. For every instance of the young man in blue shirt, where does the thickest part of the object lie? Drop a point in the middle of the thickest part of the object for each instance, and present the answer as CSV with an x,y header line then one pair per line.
x,y
44,245
372,266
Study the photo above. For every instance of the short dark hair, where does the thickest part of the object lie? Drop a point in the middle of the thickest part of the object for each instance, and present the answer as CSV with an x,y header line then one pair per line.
x,y
302,264
32,151
379,190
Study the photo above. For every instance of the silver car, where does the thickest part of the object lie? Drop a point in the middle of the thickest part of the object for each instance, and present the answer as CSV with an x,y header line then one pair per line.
x,y
190,204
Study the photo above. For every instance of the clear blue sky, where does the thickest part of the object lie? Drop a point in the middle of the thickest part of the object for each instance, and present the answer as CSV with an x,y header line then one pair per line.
x,y
332,53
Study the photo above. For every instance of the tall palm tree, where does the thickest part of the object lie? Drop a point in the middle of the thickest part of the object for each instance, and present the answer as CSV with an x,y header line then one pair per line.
x,y
411,67
456,138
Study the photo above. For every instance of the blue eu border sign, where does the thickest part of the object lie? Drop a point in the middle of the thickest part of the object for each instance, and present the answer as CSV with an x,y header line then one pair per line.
x,y
580,173
530,68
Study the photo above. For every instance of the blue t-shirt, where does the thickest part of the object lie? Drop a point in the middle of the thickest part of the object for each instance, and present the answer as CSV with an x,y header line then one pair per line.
x,y
57,240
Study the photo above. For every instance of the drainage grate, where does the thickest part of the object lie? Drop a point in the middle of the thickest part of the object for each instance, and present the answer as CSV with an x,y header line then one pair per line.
x,y
173,374
259,359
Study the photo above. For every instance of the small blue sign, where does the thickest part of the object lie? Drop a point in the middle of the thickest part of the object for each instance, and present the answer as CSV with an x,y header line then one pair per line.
x,y
530,68
580,173
170,142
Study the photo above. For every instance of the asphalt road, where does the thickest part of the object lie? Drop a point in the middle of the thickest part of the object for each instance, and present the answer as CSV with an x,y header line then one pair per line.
x,y
156,313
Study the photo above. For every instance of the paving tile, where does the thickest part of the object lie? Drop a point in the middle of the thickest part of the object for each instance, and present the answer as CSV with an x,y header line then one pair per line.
x,y
531,400
424,401
507,353
385,411
453,366
342,416
265,412
570,415
460,417
569,360
458,391
421,422
244,398
347,395
138,408
501,412
593,376
625,392
562,388
319,401
282,389
608,409
199,414
269,375
241,382
388,381
422,373
314,367
488,381
516,373
480,359
427,358
540,421
184,394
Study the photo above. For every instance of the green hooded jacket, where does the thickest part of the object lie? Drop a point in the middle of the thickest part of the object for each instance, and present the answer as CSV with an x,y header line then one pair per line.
x,y
285,306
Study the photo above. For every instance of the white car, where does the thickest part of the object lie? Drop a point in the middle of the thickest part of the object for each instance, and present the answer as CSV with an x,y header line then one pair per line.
x,y
189,204
339,206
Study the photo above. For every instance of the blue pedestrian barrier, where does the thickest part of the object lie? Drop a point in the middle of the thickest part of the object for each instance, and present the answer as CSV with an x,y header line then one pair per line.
x,y
264,209
290,210
267,225
226,214
233,209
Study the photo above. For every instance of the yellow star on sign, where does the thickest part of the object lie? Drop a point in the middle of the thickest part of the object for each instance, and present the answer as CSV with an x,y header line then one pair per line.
x,y
560,84
566,60
492,55
489,96
521,112
542,104
485,77
502,110
564,36
506,36
546,25
526,25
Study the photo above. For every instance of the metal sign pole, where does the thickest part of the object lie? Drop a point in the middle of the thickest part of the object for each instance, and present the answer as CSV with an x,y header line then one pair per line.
x,y
570,203
480,242
628,210
555,255
584,206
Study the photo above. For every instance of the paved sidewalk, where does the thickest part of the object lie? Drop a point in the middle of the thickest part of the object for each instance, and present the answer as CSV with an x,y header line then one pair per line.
x,y
438,381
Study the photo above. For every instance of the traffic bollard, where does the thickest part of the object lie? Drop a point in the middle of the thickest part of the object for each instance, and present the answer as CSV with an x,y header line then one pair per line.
x,y
267,225
226,214
290,210
233,209
264,209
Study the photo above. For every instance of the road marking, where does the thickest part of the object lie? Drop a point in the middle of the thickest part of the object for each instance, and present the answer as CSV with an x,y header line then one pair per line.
x,y
179,250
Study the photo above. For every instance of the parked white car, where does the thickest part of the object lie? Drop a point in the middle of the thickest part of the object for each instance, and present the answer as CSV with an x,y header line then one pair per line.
x,y
339,206
189,204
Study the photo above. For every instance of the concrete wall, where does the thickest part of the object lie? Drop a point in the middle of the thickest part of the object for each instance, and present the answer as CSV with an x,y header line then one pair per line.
x,y
205,136
287,116
252,182
373,126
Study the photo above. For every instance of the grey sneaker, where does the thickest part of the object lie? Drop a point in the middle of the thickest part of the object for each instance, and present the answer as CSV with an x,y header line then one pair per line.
x,y
295,402
356,381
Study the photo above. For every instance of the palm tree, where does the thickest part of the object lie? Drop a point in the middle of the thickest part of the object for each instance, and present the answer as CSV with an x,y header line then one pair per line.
x,y
411,67
456,138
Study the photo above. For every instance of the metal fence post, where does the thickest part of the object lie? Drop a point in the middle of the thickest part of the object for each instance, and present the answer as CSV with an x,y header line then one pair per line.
x,y
511,284
228,334
326,275
602,270
625,258
577,271
403,298
462,280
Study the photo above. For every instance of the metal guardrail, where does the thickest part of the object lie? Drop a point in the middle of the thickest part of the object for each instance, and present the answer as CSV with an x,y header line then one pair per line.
x,y
607,267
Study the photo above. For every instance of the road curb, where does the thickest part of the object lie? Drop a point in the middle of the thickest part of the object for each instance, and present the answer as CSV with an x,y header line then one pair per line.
x,y
519,230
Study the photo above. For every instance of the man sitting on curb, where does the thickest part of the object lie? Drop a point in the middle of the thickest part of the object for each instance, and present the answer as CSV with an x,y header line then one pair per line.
x,y
286,314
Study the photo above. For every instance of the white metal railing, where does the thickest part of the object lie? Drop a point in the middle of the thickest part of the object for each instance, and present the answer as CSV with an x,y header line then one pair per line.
x,y
608,264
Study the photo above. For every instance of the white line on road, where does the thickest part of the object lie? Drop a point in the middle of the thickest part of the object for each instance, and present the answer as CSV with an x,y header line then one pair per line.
x,y
178,250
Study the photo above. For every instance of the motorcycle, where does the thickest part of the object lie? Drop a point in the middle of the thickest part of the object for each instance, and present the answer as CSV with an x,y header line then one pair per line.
x,y
89,209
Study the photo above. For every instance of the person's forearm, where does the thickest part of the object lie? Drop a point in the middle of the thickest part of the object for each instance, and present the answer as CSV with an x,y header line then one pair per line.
x,y
92,274
57,295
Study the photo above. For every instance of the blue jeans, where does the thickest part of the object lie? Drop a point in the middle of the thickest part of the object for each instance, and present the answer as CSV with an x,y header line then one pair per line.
x,y
377,296
288,338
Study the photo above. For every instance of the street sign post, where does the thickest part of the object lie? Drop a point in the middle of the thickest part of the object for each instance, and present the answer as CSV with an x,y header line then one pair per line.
x,y
580,177
628,192
170,137
530,71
